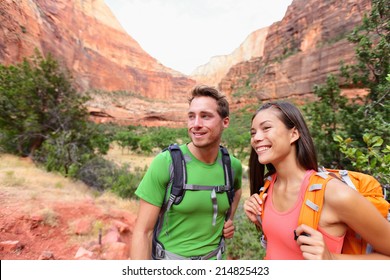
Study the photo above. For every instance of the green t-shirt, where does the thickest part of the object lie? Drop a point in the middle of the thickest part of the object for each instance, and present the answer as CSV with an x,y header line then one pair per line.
x,y
187,229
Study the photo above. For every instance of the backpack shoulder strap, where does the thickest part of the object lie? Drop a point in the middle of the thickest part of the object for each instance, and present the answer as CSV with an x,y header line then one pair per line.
x,y
179,178
227,168
263,190
179,169
314,199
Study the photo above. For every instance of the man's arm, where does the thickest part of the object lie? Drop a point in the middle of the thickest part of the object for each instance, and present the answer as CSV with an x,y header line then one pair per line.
x,y
141,243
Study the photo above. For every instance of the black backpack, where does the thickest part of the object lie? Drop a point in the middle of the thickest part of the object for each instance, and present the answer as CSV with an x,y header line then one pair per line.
x,y
179,186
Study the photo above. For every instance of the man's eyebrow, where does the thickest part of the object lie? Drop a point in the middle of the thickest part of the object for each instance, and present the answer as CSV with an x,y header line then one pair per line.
x,y
202,112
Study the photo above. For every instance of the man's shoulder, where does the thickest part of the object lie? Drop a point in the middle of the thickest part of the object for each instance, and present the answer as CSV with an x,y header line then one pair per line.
x,y
234,159
162,157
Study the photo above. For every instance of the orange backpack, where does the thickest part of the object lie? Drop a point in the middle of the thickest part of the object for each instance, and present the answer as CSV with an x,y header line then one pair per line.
x,y
310,212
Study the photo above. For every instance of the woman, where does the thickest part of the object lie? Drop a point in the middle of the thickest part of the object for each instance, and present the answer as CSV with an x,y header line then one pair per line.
x,y
282,146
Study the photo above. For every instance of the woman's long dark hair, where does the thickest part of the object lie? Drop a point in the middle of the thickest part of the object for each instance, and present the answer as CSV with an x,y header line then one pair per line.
x,y
306,153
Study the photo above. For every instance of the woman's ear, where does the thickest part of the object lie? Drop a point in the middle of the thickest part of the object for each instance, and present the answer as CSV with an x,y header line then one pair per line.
x,y
294,136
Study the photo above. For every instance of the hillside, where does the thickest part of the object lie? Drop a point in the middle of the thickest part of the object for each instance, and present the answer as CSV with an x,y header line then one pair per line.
x,y
46,216
300,51
89,40
283,60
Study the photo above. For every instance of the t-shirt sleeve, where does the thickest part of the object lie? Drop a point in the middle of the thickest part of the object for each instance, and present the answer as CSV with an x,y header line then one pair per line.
x,y
153,185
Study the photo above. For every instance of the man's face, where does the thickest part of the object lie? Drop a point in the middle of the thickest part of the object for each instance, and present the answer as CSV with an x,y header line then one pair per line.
x,y
205,125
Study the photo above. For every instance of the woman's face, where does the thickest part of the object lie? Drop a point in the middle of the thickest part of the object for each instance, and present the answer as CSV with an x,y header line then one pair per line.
x,y
270,137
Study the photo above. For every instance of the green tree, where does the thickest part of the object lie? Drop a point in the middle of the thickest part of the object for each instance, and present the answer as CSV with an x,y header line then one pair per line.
x,y
333,115
372,40
41,111
373,159
326,118
237,137
37,99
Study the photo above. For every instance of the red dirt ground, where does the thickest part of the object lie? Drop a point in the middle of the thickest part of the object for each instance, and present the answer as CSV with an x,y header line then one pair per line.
x,y
47,216
25,236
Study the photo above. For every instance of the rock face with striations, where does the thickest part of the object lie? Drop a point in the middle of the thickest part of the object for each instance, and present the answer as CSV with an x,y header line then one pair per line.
x,y
300,50
212,72
86,37
286,59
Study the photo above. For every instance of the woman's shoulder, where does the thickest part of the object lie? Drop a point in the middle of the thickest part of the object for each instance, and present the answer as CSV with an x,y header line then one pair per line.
x,y
340,195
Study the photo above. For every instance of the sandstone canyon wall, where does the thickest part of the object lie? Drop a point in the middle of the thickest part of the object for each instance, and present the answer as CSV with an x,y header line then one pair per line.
x,y
86,37
218,66
286,59
300,50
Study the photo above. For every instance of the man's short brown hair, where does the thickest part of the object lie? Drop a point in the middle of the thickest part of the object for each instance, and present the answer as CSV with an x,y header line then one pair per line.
x,y
203,90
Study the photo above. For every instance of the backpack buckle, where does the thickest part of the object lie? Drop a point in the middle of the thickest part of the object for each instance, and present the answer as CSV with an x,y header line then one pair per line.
x,y
343,172
219,189
159,251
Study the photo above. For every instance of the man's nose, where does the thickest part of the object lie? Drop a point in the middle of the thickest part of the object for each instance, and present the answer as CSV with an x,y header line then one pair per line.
x,y
198,121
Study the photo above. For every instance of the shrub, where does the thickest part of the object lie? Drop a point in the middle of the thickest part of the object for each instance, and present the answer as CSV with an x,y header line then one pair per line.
x,y
105,175
96,172
245,244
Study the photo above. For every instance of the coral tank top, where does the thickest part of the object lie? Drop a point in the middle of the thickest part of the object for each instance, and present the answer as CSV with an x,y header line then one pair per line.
x,y
279,227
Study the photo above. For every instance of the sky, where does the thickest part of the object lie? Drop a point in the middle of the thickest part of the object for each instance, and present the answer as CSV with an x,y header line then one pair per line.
x,y
184,34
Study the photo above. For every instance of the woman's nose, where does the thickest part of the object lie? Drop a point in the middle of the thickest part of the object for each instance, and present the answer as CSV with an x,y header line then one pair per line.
x,y
258,136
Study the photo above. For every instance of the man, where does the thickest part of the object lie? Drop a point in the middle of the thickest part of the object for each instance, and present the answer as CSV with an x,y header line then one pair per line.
x,y
195,227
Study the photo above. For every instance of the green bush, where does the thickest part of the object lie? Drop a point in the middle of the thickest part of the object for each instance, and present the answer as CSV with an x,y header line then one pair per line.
x,y
245,245
44,117
37,98
126,183
147,139
374,159
98,173
104,175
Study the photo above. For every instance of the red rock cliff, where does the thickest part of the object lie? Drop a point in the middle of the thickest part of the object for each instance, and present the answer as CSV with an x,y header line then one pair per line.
x,y
86,36
300,50
218,66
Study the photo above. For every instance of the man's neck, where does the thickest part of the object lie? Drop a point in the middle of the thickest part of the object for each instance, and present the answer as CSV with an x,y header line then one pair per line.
x,y
205,154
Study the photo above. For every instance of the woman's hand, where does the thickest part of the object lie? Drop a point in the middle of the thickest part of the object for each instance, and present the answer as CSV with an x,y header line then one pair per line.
x,y
252,208
228,229
312,243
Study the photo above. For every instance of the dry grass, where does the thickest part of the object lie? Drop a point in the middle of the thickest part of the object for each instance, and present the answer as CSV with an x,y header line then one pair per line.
x,y
21,177
135,161
50,217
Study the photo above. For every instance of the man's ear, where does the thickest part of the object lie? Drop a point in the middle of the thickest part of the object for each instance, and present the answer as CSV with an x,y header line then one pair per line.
x,y
226,122
294,135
